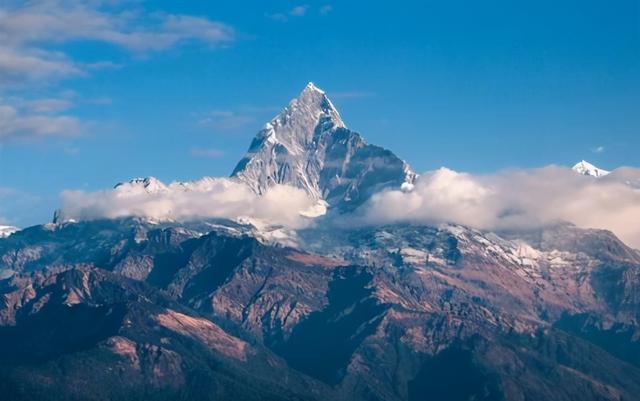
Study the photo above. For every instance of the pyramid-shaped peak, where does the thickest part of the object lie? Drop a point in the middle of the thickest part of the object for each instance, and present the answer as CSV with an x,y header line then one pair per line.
x,y
314,98
297,121
308,146
585,168
311,87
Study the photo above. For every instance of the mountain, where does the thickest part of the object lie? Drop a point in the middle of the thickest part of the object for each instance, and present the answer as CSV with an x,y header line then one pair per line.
x,y
388,312
135,308
308,146
585,168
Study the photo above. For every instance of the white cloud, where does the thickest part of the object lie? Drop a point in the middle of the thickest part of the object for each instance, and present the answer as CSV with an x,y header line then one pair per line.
x,y
326,9
32,34
7,191
597,149
297,11
59,21
519,199
37,119
515,199
206,198
20,66
29,30
49,105
71,150
102,65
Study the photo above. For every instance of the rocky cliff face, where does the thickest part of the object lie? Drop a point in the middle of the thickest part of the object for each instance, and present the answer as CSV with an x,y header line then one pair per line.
x,y
124,340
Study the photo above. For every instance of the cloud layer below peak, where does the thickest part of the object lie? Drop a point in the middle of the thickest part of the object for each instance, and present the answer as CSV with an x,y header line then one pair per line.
x,y
518,199
509,200
188,201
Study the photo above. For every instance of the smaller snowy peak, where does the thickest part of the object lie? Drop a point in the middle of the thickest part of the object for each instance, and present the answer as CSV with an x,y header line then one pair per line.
x,y
6,231
585,168
152,186
148,184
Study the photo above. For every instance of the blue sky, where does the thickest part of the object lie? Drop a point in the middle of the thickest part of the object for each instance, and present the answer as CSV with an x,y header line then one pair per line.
x,y
94,94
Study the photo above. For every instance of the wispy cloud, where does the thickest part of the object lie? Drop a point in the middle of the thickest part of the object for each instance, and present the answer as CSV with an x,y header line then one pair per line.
x,y
19,66
27,31
71,150
37,119
7,191
32,52
51,21
102,65
297,11
326,9
207,152
49,105
597,149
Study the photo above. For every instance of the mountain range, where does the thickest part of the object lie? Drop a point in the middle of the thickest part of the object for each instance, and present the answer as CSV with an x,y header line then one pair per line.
x,y
133,307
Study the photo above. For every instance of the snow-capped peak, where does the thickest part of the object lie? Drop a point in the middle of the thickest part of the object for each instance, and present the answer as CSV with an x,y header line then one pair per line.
x,y
6,231
148,184
312,87
308,146
293,129
585,168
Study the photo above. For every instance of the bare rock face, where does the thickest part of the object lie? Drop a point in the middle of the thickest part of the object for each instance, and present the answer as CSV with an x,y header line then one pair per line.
x,y
124,340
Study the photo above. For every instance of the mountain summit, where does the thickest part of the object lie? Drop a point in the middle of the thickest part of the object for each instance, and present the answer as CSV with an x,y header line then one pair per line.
x,y
308,146
585,168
